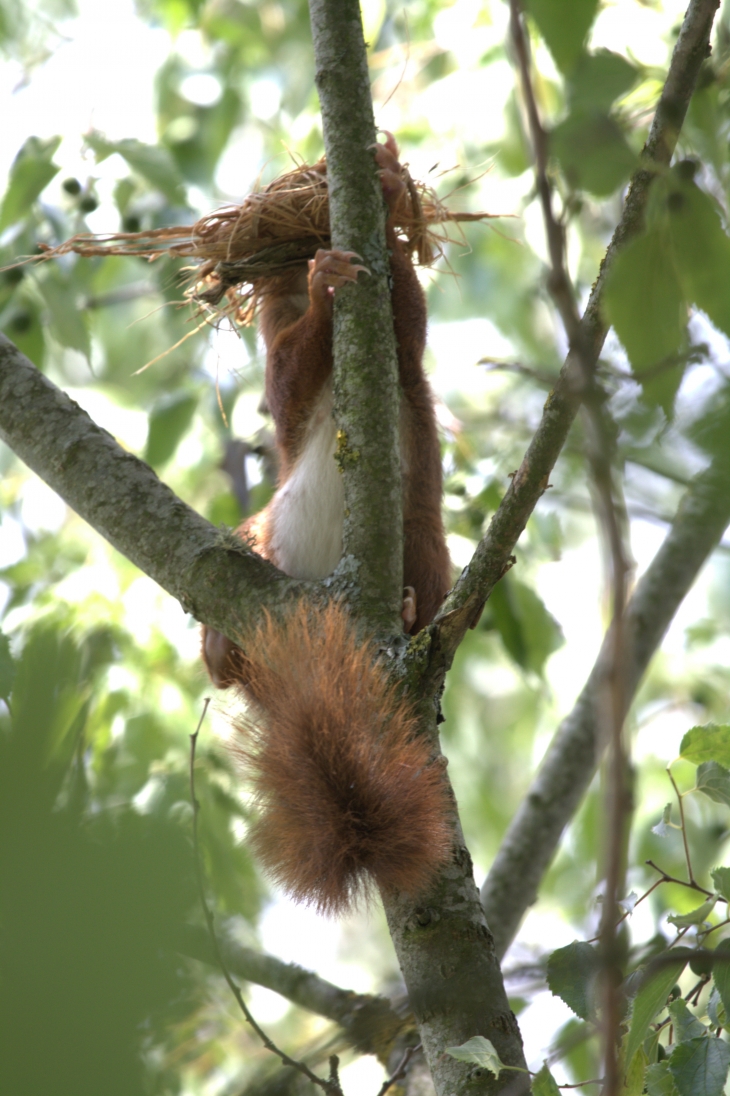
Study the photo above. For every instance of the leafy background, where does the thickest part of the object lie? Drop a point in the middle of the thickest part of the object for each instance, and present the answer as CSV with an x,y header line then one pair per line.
x,y
121,117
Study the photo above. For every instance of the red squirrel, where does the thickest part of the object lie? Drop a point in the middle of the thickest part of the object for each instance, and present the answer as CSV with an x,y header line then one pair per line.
x,y
347,795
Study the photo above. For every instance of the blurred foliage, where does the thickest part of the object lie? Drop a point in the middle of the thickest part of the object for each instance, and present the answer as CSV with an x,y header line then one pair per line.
x,y
96,892
100,675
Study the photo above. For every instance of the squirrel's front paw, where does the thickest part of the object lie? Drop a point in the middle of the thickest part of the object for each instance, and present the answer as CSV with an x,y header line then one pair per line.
x,y
329,270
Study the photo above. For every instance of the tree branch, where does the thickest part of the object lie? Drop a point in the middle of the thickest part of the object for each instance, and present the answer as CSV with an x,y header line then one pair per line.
x,y
367,398
492,555
369,1022
572,757
212,575
443,944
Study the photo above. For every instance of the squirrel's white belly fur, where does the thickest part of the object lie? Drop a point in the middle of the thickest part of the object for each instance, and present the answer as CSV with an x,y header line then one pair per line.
x,y
307,511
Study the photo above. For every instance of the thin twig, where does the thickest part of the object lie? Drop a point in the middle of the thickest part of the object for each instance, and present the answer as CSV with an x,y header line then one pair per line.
x,y
683,826
332,1086
693,884
627,913
611,520
714,928
697,989
559,284
401,1069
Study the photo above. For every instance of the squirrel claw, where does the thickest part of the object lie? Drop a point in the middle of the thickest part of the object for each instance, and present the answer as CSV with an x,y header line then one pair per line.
x,y
331,269
409,612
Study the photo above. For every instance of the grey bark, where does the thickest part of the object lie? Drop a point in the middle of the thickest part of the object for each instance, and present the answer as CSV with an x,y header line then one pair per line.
x,y
366,371
492,555
369,1022
572,757
443,945
211,574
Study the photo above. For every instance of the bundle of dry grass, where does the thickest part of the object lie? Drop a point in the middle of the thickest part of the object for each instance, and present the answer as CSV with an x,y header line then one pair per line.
x,y
275,228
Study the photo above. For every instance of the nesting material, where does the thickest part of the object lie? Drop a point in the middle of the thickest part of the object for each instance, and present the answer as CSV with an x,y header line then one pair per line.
x,y
236,248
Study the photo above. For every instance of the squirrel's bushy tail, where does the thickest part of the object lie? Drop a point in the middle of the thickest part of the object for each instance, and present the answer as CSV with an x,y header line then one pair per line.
x,y
347,794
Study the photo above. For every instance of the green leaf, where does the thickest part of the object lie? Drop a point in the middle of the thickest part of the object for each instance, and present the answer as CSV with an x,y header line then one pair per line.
x,y
699,1067
716,1009
714,781
694,917
571,972
721,972
31,172
721,881
168,423
600,78
651,999
529,632
710,431
153,162
702,250
663,828
686,1024
659,1080
634,1080
478,1051
564,24
67,321
707,743
592,152
7,667
643,300
544,1084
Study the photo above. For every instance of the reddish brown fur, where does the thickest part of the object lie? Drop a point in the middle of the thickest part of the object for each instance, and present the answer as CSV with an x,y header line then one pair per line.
x,y
298,364
348,796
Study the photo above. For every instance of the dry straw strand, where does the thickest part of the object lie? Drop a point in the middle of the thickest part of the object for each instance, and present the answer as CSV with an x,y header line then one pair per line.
x,y
238,247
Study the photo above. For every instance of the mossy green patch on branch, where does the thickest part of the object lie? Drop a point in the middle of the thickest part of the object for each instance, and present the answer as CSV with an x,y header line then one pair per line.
x,y
345,456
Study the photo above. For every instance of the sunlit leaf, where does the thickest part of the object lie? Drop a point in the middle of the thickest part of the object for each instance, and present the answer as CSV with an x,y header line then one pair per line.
x,y
67,321
721,880
592,151
644,302
634,1078
600,78
168,423
651,998
694,917
478,1051
627,904
30,174
714,780
153,162
702,250
571,973
529,632
544,1084
710,742
664,827
564,24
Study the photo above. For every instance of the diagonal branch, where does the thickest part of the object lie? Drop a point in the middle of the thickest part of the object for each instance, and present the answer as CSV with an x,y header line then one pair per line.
x,y
612,525
572,757
370,1023
492,555
210,573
